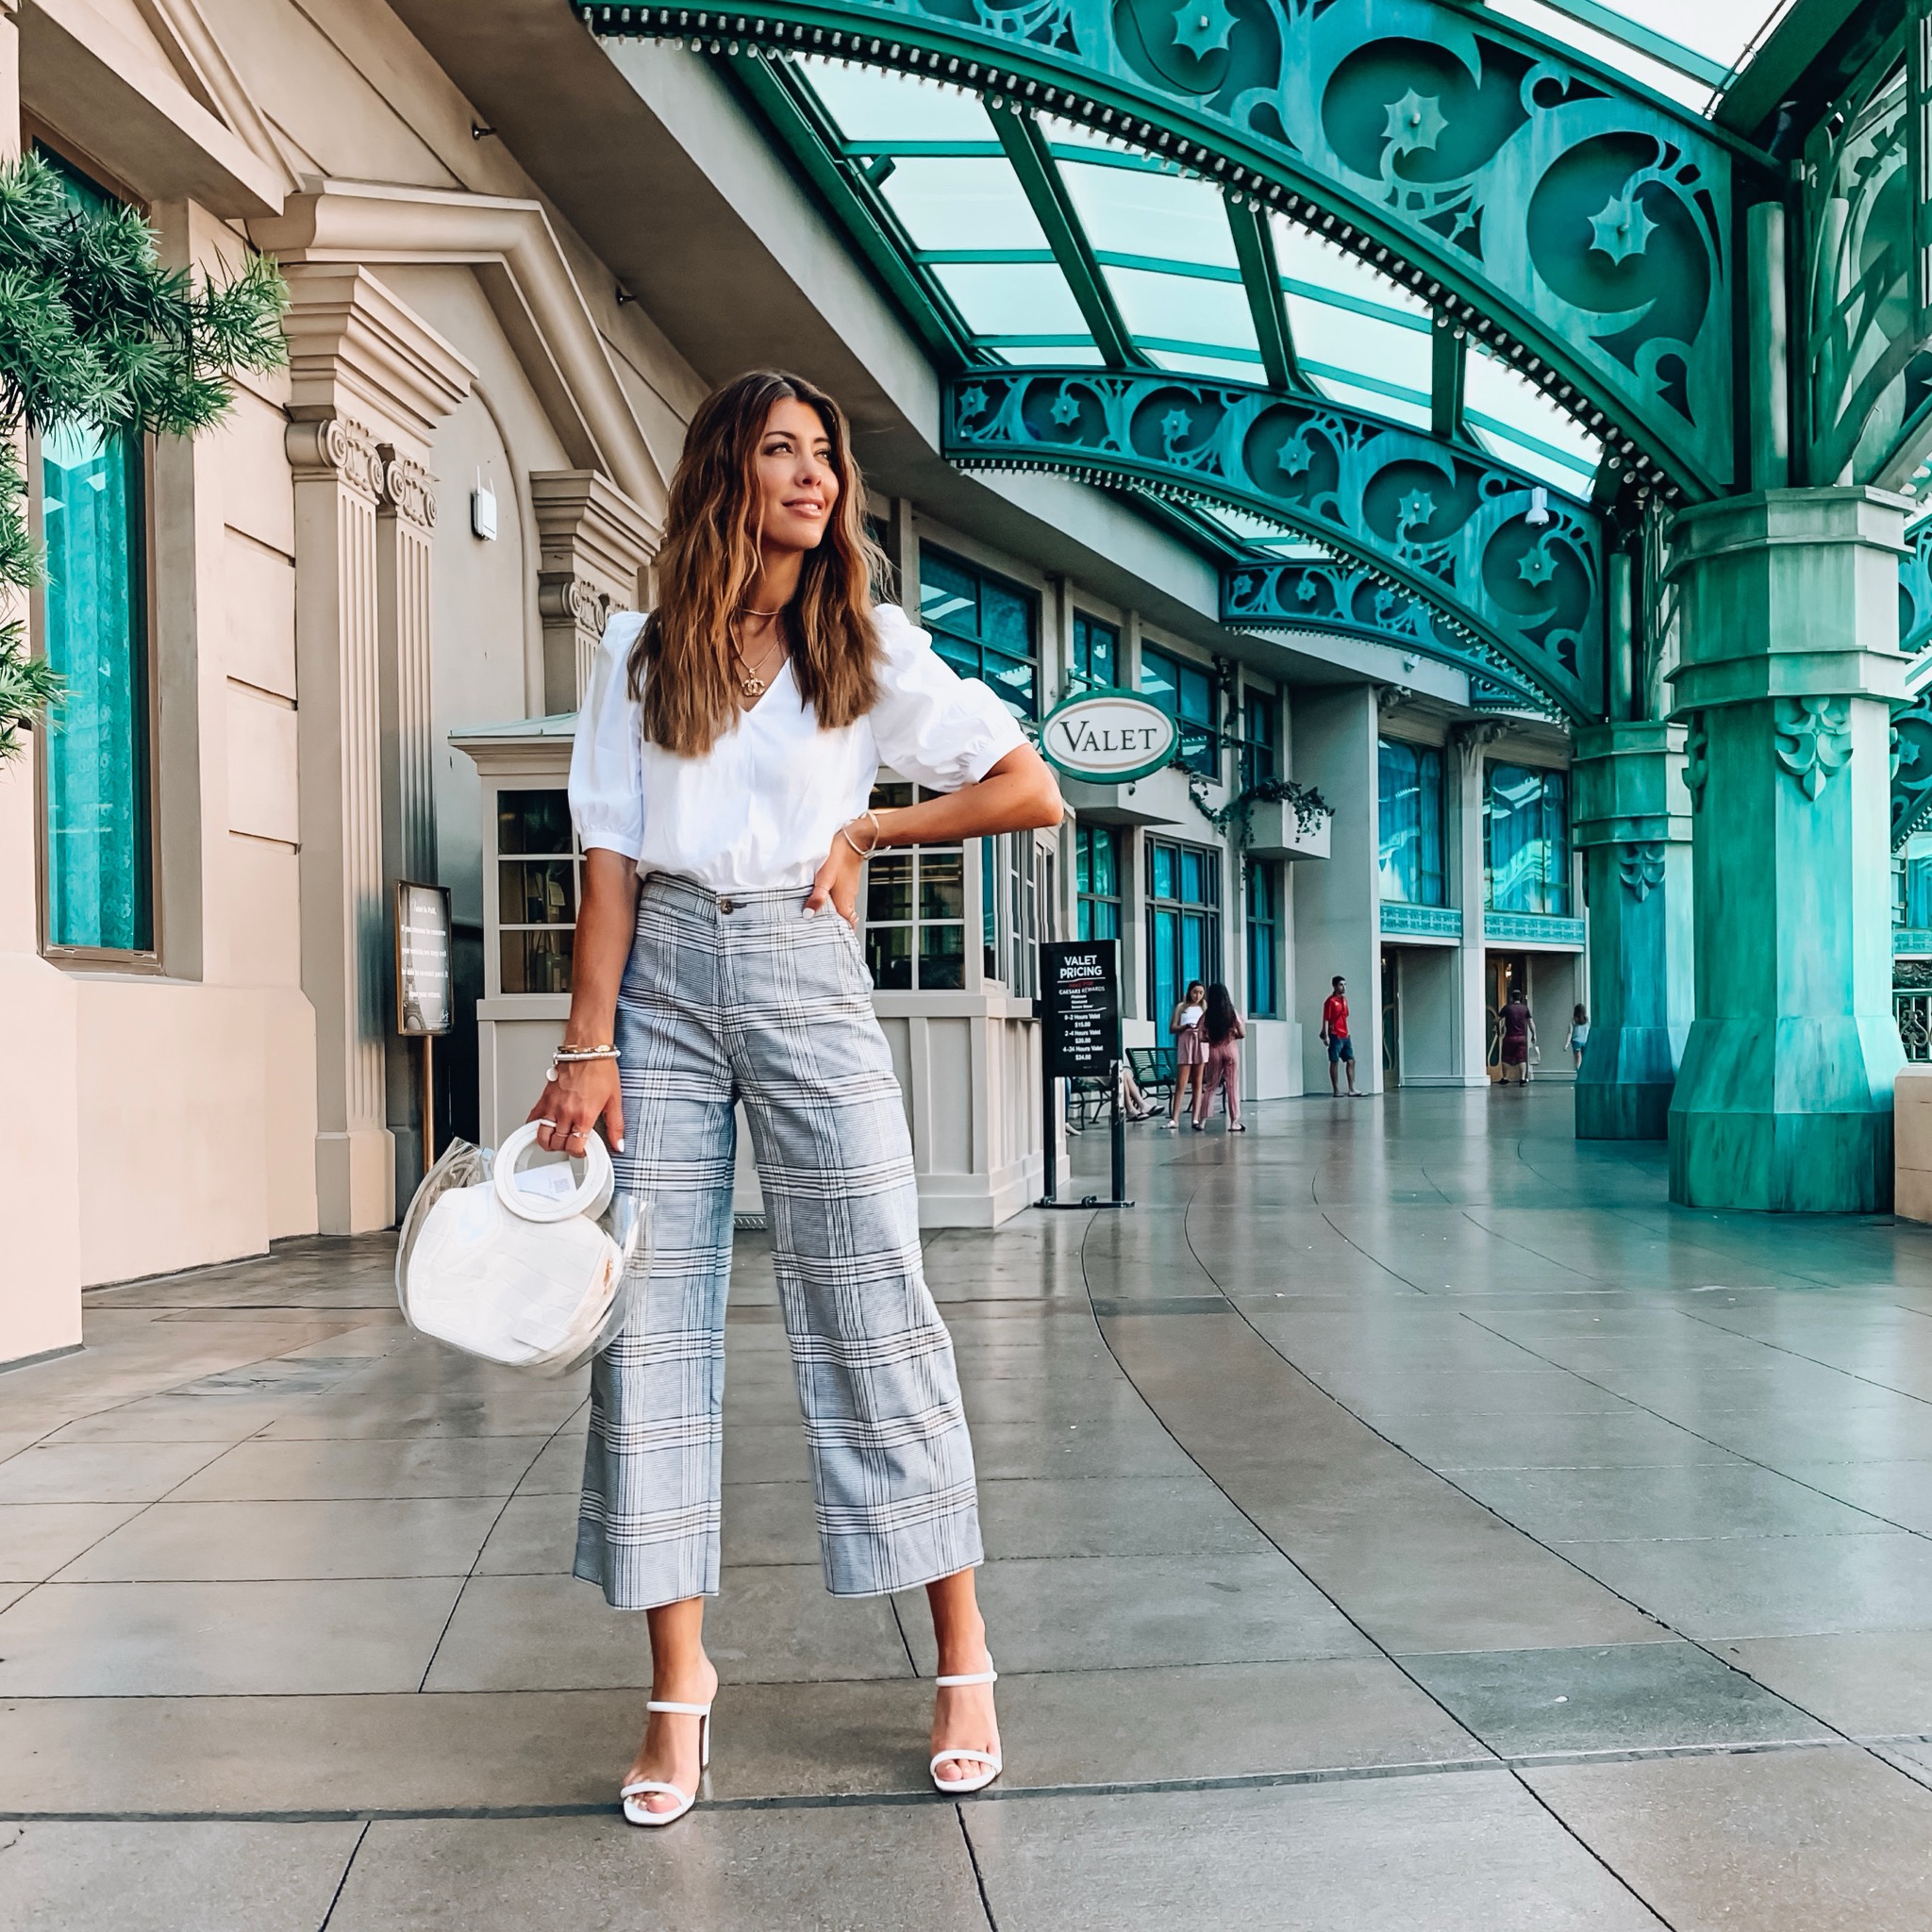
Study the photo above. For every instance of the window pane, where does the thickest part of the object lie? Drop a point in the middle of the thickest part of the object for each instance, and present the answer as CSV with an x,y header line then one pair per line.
x,y
536,892
1013,681
941,885
942,957
1191,877
1197,695
1164,929
1096,649
1006,620
889,951
533,822
1159,680
537,961
888,888
1525,833
1163,871
99,889
963,657
948,594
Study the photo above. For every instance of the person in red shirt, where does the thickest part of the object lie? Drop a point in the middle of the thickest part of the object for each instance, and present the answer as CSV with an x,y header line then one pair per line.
x,y
1335,1031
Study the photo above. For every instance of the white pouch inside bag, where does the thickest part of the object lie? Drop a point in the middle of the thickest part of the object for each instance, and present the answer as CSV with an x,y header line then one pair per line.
x,y
534,1271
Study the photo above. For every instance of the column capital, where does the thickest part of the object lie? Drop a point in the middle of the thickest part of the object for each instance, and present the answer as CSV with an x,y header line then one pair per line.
x,y
1627,785
1789,594
338,449
408,487
356,347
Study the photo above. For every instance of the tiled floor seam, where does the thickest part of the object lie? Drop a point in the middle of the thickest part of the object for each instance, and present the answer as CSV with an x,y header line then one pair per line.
x,y
495,1523
1003,1793
348,1866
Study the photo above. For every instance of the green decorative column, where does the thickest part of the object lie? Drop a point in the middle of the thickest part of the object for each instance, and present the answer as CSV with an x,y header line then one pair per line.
x,y
1788,667
1631,819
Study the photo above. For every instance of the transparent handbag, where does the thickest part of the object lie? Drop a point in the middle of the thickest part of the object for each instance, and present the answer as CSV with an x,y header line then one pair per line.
x,y
531,1268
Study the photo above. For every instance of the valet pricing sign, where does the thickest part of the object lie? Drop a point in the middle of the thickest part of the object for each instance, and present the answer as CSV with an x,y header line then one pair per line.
x,y
1108,737
1080,983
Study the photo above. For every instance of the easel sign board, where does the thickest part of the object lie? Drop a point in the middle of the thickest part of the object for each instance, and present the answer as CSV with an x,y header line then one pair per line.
x,y
423,960
1081,982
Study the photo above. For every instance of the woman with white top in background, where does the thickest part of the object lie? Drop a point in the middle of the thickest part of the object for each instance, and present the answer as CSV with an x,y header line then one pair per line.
x,y
1190,1049
719,783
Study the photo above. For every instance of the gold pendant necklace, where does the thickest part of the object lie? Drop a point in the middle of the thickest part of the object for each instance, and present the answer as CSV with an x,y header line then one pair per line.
x,y
749,682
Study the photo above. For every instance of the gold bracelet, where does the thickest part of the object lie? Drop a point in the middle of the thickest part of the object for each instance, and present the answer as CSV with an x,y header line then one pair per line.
x,y
845,833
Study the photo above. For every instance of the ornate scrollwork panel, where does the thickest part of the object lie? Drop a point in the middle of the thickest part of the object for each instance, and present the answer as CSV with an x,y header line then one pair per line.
x,y
1911,770
1869,315
1582,224
1339,599
1438,519
409,489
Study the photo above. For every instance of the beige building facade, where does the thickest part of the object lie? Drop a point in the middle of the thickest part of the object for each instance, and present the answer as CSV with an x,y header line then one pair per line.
x,y
516,261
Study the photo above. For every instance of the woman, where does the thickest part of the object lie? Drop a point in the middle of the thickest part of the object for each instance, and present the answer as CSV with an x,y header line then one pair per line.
x,y
1189,1050
1579,1036
1519,1029
719,784
1223,1031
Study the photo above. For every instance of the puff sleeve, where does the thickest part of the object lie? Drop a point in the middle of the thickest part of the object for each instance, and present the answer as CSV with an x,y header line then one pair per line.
x,y
607,761
930,724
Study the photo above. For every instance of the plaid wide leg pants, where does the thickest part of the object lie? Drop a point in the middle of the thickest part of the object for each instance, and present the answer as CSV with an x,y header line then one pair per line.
x,y
744,997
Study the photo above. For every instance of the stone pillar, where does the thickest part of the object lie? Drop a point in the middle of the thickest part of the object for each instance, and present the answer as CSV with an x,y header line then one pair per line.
x,y
368,380
1790,666
1465,778
593,544
1337,900
404,518
1631,822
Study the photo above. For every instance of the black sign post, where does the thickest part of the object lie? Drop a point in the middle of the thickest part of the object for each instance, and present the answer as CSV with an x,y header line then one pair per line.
x,y
1081,1006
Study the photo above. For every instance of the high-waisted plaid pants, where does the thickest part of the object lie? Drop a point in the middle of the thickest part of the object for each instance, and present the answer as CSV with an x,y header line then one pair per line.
x,y
745,998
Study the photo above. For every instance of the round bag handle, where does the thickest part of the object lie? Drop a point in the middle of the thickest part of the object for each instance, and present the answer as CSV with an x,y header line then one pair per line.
x,y
591,1197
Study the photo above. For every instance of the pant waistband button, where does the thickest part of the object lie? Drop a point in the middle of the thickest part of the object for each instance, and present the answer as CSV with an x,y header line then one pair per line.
x,y
723,904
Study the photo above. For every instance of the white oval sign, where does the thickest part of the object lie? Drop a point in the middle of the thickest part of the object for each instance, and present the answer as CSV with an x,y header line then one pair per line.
x,y
1110,737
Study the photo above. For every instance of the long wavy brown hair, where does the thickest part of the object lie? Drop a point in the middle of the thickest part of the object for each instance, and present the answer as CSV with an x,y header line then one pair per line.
x,y
680,666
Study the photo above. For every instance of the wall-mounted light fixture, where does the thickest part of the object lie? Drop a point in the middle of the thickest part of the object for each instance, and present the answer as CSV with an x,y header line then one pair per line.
x,y
483,510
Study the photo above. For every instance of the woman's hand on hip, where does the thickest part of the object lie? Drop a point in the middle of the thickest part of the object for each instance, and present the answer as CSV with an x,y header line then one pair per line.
x,y
836,882
579,1095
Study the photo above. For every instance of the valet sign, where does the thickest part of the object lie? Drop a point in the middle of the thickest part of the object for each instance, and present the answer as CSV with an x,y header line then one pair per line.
x,y
1108,737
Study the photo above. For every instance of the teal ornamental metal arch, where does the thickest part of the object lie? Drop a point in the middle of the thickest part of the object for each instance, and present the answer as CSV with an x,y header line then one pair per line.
x,y
1574,221
1332,598
1501,556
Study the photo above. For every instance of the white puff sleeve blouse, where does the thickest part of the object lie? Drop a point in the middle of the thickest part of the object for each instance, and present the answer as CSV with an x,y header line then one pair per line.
x,y
760,811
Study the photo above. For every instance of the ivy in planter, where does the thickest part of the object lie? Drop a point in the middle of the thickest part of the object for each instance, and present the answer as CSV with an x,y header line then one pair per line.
x,y
1310,808
95,333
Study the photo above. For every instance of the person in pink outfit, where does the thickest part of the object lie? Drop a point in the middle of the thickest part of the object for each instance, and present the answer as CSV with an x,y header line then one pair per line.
x,y
1221,1033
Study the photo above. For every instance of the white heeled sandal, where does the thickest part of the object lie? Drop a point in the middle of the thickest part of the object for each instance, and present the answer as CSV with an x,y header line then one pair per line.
x,y
991,1761
639,1814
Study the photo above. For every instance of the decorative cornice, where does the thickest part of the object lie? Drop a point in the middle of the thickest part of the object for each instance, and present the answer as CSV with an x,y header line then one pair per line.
x,y
351,339
515,254
1640,866
408,488
336,449
586,524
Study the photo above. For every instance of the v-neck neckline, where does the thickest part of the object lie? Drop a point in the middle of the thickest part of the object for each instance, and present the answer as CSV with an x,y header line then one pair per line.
x,y
758,704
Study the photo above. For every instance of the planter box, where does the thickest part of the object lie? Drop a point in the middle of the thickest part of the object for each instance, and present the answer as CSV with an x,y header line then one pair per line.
x,y
1275,832
1159,799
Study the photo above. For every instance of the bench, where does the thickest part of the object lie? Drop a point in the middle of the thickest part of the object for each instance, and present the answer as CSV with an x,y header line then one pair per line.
x,y
1153,1068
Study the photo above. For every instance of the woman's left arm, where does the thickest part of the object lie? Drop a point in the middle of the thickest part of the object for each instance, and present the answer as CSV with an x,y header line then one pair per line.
x,y
1018,794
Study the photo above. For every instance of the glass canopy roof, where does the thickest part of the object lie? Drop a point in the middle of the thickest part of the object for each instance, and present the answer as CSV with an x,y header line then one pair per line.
x,y
1164,247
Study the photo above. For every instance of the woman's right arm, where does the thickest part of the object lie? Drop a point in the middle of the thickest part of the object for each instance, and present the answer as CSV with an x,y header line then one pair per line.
x,y
585,1092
